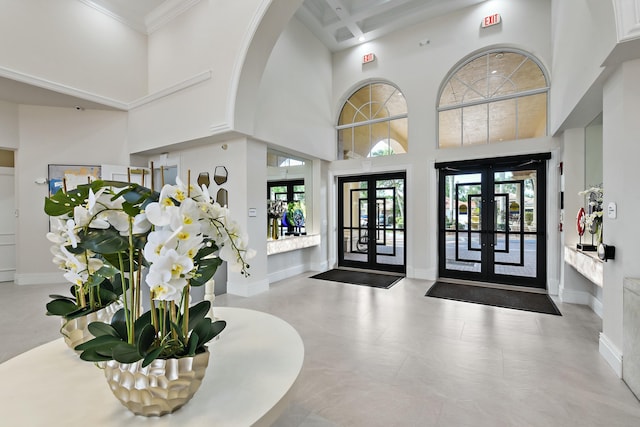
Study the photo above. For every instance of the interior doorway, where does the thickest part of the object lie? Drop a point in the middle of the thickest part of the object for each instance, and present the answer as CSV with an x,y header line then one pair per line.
x,y
371,222
492,220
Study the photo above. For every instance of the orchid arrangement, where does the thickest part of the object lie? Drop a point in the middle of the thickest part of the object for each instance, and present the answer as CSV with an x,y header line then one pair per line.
x,y
114,239
593,218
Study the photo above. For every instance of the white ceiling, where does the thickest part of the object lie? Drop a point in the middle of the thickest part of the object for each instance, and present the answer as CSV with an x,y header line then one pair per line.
x,y
337,23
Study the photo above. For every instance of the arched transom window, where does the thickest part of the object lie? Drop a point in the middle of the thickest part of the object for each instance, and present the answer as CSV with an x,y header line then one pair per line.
x,y
373,122
498,95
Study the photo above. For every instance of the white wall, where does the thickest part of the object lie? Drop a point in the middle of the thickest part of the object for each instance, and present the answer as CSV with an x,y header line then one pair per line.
x,y
70,43
621,109
584,33
295,93
56,136
419,71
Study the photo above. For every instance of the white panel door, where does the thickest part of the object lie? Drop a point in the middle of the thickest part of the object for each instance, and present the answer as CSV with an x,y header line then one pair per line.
x,y
7,225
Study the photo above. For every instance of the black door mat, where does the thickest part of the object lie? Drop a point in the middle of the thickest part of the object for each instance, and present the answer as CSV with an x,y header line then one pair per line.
x,y
364,278
518,300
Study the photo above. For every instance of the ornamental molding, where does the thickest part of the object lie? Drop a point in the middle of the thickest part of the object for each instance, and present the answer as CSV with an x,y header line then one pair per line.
x,y
627,15
167,12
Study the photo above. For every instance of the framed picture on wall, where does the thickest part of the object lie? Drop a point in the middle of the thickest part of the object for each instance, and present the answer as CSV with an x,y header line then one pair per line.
x,y
70,176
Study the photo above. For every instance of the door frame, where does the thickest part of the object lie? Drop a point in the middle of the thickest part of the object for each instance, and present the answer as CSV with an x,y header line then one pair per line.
x,y
488,166
371,225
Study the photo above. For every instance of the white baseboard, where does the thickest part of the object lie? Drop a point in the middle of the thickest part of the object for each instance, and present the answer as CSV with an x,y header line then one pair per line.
x,y
421,273
611,354
7,276
581,297
286,273
247,289
39,278
319,266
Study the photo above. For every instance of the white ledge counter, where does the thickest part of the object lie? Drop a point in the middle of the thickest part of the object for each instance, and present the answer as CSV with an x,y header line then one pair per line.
x,y
252,368
292,243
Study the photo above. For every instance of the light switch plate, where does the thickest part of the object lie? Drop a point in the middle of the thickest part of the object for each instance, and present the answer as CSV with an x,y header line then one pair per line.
x,y
612,210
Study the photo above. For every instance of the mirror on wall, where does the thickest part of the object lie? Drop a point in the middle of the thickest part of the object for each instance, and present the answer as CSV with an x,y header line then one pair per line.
x,y
289,179
593,153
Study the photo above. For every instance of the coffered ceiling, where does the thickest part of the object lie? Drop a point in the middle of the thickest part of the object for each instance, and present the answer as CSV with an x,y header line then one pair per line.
x,y
340,24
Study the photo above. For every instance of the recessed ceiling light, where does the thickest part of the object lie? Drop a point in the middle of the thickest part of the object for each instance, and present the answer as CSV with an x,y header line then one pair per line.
x,y
361,38
493,72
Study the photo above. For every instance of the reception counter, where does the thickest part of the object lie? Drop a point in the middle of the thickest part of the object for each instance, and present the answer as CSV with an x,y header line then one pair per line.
x,y
252,368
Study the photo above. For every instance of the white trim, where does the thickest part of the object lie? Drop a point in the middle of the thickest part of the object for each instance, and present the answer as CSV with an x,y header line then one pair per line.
x,y
133,24
60,88
288,272
166,12
422,273
627,16
319,266
8,275
191,81
611,354
220,128
571,296
39,278
247,289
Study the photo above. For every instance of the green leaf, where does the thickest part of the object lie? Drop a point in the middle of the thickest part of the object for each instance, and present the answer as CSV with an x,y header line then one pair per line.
x,y
119,323
107,241
217,327
99,329
63,297
178,330
107,296
151,356
94,356
126,353
146,339
104,341
194,341
206,269
61,307
198,312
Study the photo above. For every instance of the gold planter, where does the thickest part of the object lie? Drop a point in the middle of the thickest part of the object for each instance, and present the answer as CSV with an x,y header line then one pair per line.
x,y
160,388
76,332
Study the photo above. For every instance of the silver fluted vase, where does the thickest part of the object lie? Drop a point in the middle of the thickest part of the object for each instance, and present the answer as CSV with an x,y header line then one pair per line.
x,y
160,388
76,332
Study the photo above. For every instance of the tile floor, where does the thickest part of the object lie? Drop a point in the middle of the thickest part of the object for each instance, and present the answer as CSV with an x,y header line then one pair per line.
x,y
378,357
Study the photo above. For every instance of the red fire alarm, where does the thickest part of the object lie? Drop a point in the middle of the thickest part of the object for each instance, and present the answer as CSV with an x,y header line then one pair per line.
x,y
369,57
490,20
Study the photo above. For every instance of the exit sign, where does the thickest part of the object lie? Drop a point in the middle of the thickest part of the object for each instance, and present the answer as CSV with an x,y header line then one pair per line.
x,y
369,57
490,20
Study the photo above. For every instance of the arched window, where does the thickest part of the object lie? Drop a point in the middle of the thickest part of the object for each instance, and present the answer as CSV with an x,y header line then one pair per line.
x,y
373,122
497,95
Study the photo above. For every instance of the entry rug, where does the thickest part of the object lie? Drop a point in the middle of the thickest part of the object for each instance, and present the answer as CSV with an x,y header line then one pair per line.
x,y
518,300
363,278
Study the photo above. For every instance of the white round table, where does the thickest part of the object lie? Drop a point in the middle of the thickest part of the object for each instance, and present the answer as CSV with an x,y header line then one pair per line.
x,y
252,368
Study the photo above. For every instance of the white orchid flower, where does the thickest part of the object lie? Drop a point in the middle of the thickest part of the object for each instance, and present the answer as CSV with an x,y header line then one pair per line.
x,y
141,224
160,287
178,266
158,242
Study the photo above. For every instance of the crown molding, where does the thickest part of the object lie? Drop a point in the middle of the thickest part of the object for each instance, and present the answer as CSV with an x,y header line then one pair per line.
x,y
191,81
167,12
136,25
61,88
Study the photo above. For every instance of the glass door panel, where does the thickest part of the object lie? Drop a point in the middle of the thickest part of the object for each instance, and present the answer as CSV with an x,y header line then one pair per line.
x,y
372,222
492,223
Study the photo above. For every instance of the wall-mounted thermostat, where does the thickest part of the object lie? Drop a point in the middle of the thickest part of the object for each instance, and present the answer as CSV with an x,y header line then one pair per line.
x,y
612,210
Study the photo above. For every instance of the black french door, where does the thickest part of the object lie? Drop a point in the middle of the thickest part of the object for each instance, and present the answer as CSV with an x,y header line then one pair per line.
x,y
371,222
492,220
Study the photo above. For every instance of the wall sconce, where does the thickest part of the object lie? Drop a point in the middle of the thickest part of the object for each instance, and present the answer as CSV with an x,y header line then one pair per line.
x,y
41,181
